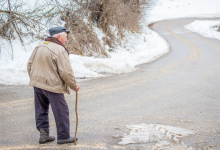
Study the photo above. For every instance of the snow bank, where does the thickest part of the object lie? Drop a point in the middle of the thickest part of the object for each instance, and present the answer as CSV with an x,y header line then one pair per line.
x,y
136,49
206,28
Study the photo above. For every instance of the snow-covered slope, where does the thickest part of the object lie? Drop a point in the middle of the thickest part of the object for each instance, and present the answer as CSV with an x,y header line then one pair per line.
x,y
134,49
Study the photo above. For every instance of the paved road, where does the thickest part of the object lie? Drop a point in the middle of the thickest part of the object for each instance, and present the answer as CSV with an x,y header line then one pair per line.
x,y
180,89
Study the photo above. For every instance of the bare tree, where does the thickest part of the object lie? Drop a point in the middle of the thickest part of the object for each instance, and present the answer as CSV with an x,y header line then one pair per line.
x,y
16,17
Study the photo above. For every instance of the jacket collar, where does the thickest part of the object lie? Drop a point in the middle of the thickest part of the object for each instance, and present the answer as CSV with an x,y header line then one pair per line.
x,y
55,40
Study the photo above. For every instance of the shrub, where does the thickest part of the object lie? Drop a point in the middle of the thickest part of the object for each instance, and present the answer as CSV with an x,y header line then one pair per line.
x,y
82,40
121,14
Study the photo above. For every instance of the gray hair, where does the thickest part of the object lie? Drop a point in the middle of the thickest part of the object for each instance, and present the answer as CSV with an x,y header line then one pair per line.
x,y
61,34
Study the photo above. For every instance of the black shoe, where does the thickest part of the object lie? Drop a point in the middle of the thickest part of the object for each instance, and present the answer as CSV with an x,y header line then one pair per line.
x,y
45,137
70,140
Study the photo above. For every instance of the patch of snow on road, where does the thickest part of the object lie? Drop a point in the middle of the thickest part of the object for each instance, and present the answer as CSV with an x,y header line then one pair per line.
x,y
206,28
167,137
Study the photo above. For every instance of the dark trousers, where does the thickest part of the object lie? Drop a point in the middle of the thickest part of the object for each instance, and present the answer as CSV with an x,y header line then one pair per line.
x,y
60,110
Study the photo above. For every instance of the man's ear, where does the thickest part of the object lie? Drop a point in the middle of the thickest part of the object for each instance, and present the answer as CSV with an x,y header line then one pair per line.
x,y
58,36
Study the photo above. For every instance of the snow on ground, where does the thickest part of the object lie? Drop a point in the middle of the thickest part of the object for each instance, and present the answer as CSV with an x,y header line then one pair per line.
x,y
206,28
135,49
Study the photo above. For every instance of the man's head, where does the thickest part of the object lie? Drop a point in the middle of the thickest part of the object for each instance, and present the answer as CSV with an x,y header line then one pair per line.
x,y
62,37
60,33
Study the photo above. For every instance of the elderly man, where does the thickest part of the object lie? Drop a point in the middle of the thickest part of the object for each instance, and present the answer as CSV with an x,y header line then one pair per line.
x,y
51,76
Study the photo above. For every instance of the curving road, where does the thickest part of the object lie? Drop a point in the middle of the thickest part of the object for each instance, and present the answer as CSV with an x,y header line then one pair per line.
x,y
181,89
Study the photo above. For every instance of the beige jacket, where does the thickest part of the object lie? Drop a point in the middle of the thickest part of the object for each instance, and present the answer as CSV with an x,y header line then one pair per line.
x,y
49,68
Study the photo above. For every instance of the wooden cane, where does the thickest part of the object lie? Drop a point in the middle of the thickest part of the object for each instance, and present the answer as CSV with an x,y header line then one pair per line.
x,y
76,116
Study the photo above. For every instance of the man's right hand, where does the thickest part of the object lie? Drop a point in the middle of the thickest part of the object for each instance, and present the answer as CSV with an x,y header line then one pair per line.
x,y
77,89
